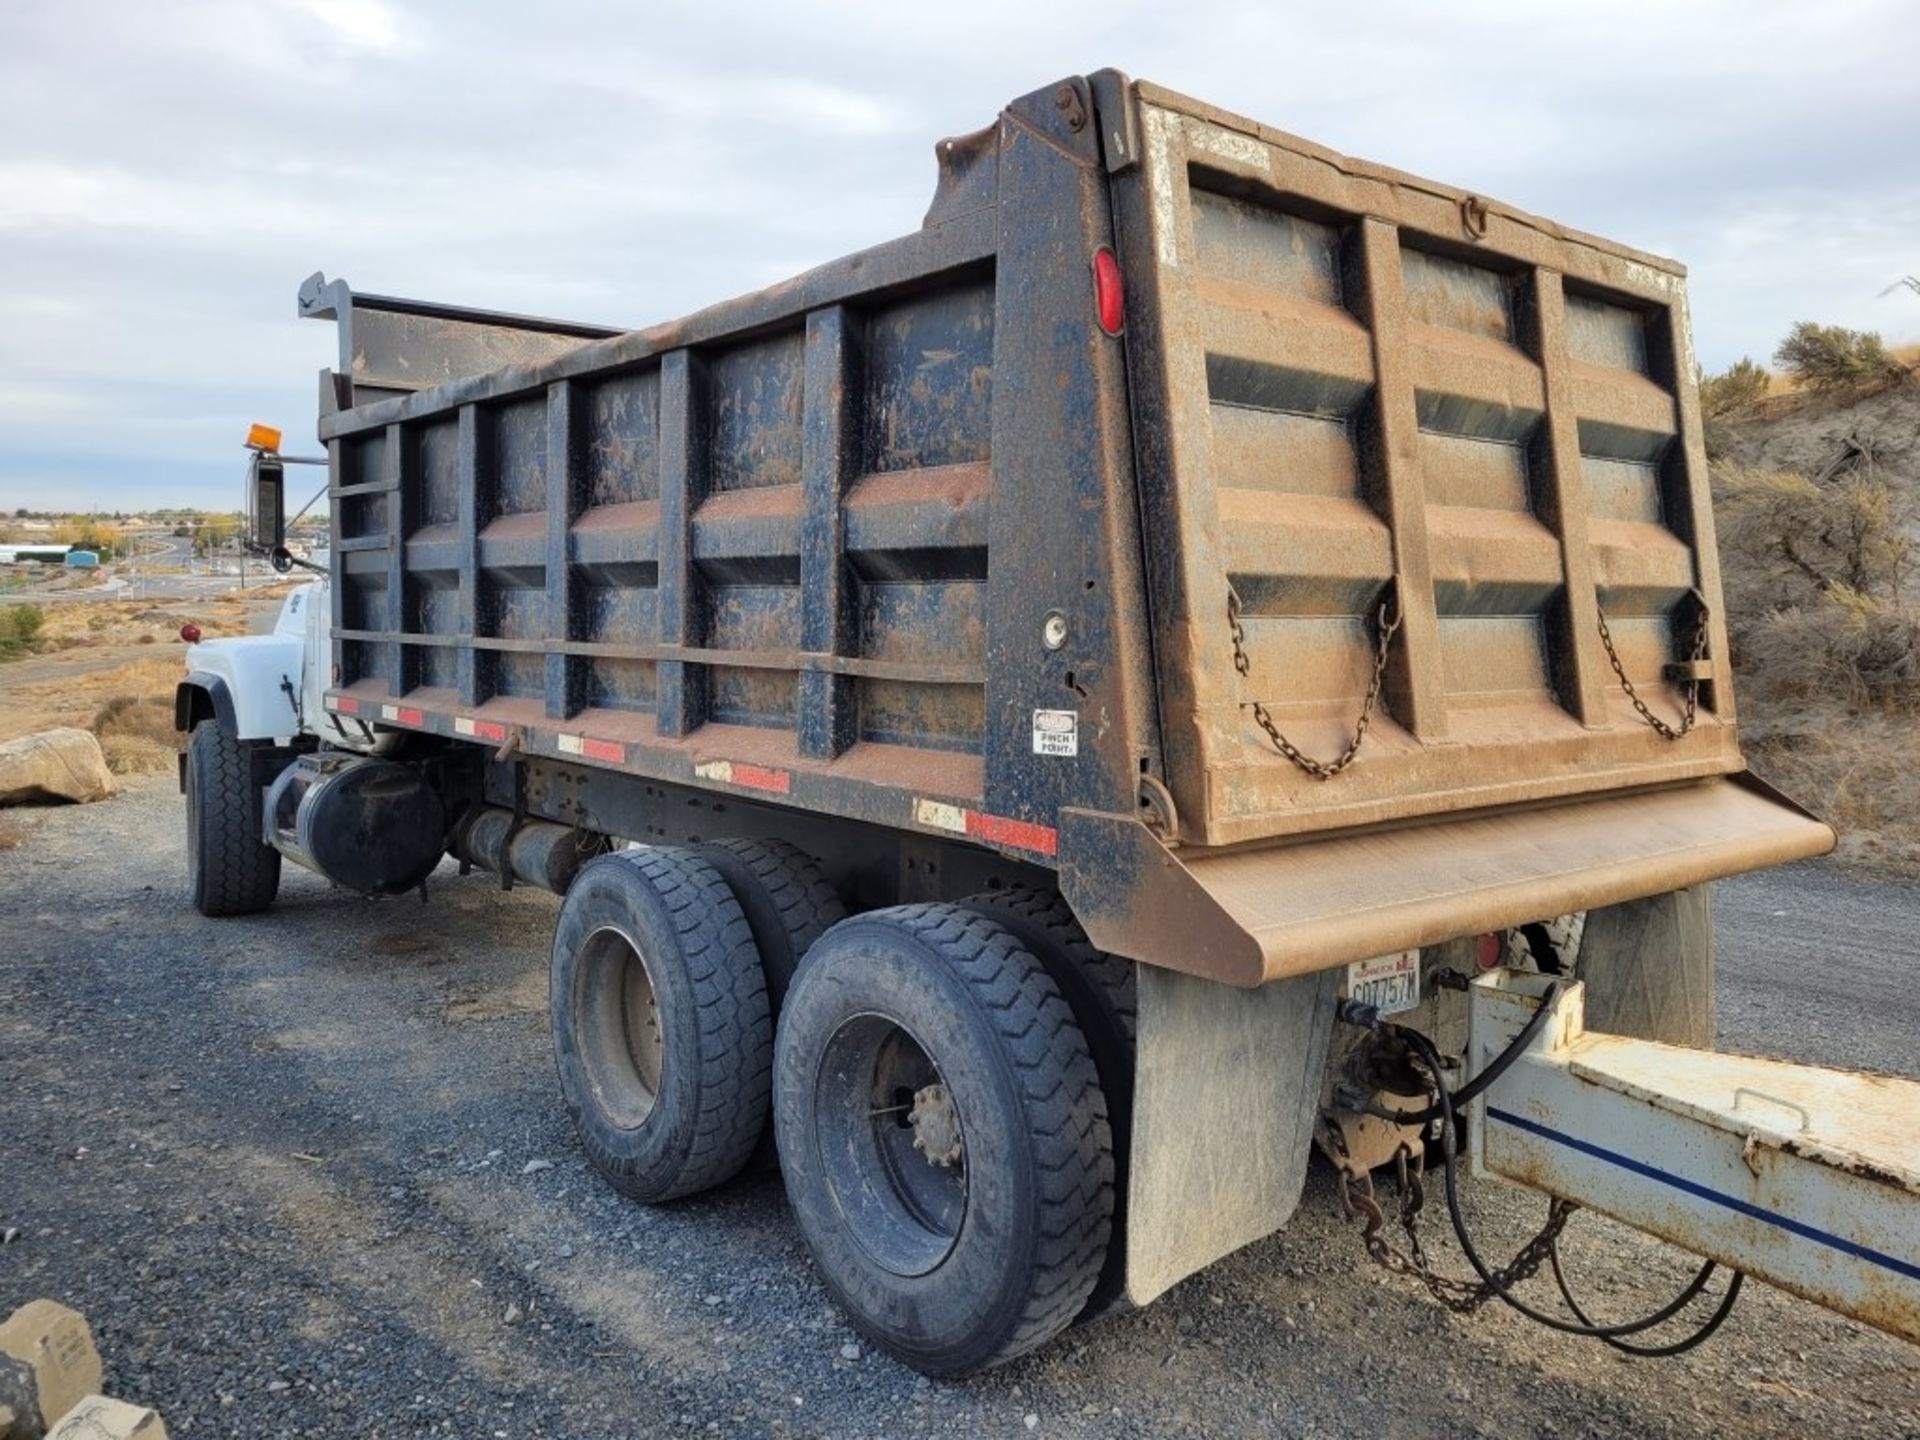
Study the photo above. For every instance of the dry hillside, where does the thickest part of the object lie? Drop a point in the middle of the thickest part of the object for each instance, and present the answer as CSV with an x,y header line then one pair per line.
x,y
1818,502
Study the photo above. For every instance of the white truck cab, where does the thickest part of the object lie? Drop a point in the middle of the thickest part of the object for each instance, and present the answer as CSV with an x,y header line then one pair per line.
x,y
269,688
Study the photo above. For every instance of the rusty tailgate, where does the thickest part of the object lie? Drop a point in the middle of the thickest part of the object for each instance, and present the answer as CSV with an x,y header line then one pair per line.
x,y
1367,402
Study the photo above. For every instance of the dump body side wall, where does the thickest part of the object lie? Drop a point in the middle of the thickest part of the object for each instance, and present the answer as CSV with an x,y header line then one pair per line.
x,y
805,545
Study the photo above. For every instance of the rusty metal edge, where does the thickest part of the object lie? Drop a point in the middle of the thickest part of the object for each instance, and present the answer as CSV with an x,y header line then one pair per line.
x,y
1138,897
1153,94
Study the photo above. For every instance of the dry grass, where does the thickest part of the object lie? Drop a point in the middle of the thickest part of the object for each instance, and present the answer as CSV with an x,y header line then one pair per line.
x,y
136,732
1854,770
77,699
135,622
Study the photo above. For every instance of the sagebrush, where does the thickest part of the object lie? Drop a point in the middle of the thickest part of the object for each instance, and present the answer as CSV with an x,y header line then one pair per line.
x,y
1740,386
19,628
1832,357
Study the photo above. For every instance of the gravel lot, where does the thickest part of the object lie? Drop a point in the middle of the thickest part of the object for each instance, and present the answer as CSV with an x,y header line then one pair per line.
x,y
309,1176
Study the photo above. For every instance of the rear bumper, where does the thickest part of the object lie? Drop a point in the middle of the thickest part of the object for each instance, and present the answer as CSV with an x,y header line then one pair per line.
x,y
1250,916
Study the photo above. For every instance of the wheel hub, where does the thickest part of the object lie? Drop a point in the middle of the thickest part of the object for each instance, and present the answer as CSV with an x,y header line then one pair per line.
x,y
936,1126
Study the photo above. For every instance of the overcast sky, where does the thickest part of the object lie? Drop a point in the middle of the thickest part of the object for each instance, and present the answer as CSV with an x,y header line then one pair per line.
x,y
171,169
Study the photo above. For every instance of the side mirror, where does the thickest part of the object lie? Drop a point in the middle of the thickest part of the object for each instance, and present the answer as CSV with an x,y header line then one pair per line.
x,y
267,503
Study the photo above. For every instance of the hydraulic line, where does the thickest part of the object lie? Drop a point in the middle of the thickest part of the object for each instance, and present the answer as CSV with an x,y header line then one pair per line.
x,y
1479,1083
1430,1058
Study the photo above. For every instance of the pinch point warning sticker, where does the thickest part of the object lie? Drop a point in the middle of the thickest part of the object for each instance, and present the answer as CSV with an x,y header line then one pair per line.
x,y
1056,732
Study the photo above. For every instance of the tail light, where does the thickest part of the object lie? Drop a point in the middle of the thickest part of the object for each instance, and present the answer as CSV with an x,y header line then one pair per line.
x,y
1109,295
190,633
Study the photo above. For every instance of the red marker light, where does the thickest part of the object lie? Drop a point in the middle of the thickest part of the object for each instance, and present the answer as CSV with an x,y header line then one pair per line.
x,y
1109,296
190,633
1490,951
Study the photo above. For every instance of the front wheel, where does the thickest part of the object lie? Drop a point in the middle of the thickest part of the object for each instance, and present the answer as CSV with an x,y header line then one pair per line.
x,y
943,1136
230,868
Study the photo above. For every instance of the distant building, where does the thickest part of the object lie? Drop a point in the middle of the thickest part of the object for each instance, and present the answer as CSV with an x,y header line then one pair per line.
x,y
40,554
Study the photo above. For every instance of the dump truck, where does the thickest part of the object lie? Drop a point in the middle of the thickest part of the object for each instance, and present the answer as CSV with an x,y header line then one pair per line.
x,y
1205,649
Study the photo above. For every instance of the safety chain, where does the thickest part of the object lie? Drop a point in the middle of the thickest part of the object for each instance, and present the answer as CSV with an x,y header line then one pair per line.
x,y
1462,1297
1387,621
1692,684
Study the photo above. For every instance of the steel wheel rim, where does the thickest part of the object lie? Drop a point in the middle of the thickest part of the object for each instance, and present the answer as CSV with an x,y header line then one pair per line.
x,y
903,1209
622,1047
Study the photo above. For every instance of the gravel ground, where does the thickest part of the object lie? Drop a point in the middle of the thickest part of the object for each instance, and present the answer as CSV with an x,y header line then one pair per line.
x,y
309,1176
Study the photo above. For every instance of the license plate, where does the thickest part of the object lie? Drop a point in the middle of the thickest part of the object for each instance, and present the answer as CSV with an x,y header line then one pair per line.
x,y
1389,983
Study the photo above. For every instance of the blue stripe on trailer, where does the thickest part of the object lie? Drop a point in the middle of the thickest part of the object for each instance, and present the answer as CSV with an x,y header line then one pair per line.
x,y
1701,1192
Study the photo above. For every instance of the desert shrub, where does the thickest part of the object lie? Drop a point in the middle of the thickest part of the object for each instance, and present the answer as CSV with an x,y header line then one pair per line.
x,y
1789,540
1832,357
19,628
1739,387
1856,649
1816,575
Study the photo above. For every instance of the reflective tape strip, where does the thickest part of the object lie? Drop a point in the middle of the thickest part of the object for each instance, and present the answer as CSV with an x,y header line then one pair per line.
x,y
994,829
748,777
1020,834
587,748
402,715
479,729
939,815
343,704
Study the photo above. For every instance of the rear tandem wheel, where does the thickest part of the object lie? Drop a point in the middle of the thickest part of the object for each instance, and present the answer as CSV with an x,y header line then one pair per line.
x,y
943,1136
661,1033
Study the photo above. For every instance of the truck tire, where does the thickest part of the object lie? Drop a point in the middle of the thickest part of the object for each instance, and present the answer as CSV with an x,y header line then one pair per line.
x,y
943,1137
661,1033
786,898
230,869
1100,990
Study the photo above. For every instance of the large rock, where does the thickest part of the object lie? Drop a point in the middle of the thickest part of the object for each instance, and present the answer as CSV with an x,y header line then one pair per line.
x,y
63,764
98,1418
48,1364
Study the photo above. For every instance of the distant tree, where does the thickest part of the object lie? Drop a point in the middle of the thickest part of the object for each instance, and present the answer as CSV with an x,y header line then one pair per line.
x,y
89,534
214,532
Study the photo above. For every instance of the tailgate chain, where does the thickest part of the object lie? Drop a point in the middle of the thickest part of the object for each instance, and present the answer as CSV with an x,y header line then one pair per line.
x,y
1386,622
1692,711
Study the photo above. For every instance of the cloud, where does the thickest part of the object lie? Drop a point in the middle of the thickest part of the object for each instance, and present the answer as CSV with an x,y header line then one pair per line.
x,y
168,174
362,24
